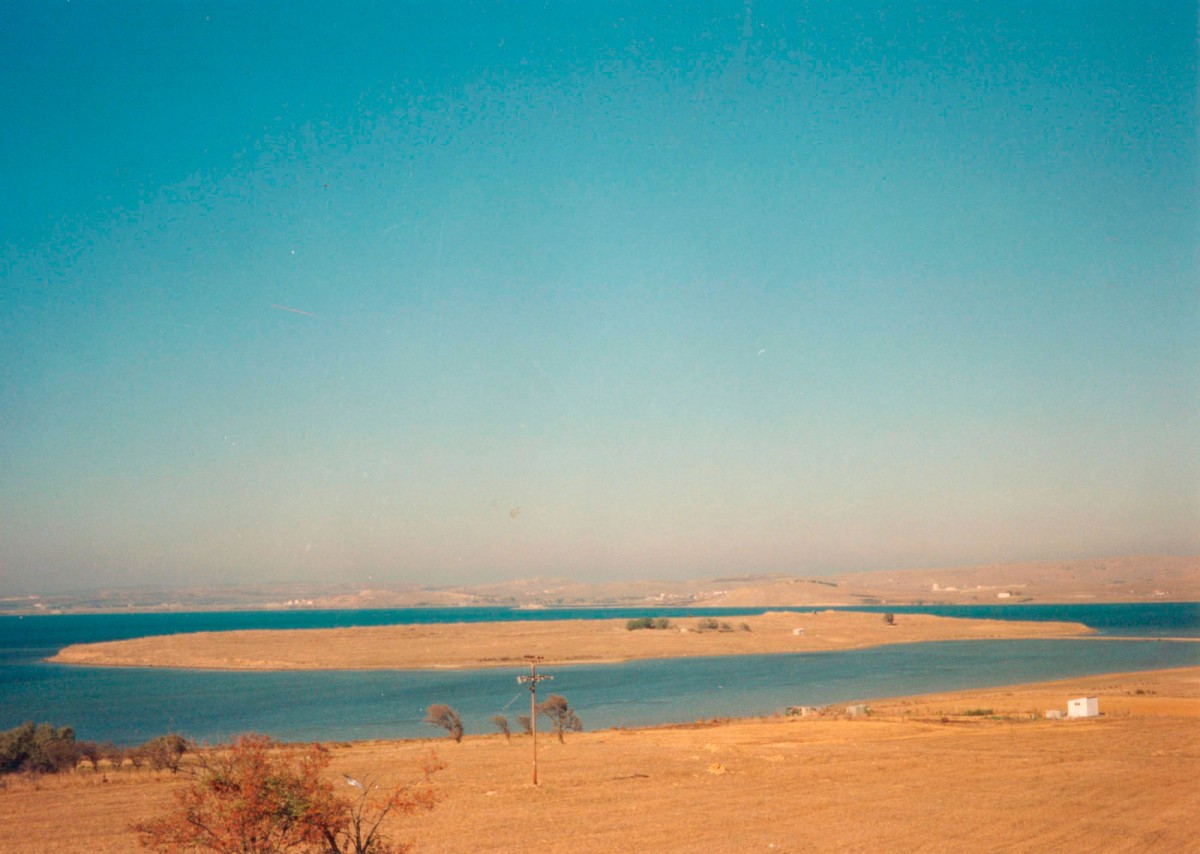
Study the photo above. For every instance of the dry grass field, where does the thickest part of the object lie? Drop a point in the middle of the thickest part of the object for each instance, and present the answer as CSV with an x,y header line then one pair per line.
x,y
918,774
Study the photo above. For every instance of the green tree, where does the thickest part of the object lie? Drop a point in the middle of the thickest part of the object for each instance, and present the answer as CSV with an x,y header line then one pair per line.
x,y
166,751
38,749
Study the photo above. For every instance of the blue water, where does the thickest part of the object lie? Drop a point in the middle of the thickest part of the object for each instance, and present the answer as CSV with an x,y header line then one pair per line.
x,y
132,705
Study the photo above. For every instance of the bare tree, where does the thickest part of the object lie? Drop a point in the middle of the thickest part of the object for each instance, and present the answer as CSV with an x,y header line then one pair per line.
x,y
364,815
439,714
562,716
526,723
501,723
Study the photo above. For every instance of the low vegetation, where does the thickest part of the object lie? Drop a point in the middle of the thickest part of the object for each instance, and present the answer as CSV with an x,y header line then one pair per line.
x,y
45,749
711,624
257,796
648,623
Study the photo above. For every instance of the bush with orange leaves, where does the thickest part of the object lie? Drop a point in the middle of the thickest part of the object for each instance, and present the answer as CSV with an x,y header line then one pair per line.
x,y
257,796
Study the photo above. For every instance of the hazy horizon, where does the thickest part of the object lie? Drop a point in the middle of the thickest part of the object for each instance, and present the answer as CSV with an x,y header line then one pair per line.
x,y
425,294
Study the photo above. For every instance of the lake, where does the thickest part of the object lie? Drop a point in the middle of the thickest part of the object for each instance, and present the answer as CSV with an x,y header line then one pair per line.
x,y
130,705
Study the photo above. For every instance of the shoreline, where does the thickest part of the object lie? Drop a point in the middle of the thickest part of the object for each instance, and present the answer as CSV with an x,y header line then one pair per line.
x,y
464,646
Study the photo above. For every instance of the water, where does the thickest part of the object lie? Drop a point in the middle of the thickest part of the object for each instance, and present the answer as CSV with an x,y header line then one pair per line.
x,y
133,705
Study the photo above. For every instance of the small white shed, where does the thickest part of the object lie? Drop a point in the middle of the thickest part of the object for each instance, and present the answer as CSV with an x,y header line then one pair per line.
x,y
1084,707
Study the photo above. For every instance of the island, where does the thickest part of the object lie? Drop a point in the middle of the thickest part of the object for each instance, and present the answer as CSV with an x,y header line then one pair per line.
x,y
505,644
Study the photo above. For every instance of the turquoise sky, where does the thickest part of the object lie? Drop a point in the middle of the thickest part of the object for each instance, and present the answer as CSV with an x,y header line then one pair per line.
x,y
453,292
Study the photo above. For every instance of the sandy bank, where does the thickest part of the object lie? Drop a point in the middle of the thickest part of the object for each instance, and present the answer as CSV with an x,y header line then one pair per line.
x,y
476,645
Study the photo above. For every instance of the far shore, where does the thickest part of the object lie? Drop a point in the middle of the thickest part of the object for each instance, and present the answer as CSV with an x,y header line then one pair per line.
x,y
505,644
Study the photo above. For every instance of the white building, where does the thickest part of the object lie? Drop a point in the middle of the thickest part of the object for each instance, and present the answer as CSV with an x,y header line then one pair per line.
x,y
1084,707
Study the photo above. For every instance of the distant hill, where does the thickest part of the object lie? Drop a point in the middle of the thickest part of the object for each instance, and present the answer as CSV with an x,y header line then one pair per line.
x,y
1123,579
1119,579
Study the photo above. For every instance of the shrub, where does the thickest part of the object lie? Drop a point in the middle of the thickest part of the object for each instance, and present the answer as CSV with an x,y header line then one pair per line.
x,y
889,619
38,749
647,623
501,723
708,624
254,797
526,723
257,796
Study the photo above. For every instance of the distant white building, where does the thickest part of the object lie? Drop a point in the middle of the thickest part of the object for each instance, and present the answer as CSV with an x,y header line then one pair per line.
x,y
1084,707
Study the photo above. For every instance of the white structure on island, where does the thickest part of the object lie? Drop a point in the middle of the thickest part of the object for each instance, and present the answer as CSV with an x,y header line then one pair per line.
x,y
1084,707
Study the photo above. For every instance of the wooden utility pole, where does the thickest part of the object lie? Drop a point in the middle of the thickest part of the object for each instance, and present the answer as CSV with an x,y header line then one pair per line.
x,y
532,679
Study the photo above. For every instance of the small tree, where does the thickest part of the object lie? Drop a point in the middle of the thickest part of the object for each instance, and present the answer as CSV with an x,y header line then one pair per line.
x,y
255,797
439,714
889,619
91,752
38,749
259,797
166,751
526,723
366,813
501,723
562,716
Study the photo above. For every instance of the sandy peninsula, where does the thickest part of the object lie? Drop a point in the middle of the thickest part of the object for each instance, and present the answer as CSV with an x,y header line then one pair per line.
x,y
969,771
504,644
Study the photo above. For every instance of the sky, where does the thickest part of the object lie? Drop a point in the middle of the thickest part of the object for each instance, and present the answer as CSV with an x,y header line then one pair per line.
x,y
443,293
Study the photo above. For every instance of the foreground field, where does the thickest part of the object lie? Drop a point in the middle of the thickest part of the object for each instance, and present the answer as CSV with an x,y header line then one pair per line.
x,y
932,773
458,645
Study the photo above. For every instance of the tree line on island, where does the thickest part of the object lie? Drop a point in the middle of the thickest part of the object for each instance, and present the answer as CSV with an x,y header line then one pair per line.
x,y
708,624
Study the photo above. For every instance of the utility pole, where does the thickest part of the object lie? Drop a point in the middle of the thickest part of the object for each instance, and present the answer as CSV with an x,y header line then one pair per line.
x,y
532,679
